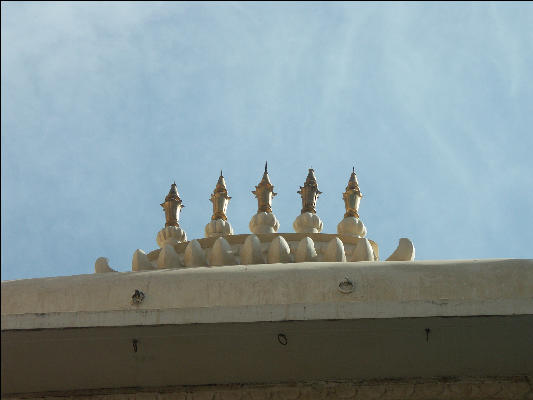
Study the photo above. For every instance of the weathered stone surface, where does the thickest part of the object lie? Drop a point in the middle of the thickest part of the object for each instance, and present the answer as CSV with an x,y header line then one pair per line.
x,y
387,290
363,251
194,255
221,253
264,222
171,235
101,265
515,388
140,261
229,394
351,226
428,389
307,223
335,251
168,258
251,251
236,242
203,395
217,228
305,251
279,251
173,396
398,391
345,391
404,252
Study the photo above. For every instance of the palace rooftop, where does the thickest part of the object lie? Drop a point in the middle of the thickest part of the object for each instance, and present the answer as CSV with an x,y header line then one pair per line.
x,y
267,308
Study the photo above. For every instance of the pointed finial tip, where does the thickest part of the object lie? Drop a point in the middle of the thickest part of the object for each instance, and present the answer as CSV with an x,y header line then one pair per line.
x,y
266,166
220,172
353,169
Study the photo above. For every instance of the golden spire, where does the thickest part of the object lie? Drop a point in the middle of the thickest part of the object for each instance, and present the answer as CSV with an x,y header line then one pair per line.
x,y
172,206
264,192
352,196
220,199
309,192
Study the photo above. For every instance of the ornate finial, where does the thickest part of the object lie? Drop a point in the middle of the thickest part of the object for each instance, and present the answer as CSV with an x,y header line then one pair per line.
x,y
264,192
309,192
264,221
172,206
308,221
352,196
220,199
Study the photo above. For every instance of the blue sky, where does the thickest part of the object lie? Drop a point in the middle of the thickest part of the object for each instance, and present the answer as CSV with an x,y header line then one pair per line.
x,y
105,105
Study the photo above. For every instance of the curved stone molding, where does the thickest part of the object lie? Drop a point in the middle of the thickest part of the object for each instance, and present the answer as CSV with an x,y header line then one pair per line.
x,y
363,251
264,222
217,228
305,251
272,248
375,250
307,223
101,265
351,226
140,261
194,255
251,251
279,251
404,252
221,253
168,258
171,235
335,251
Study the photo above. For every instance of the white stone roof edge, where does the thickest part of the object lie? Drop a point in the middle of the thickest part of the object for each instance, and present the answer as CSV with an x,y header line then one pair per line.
x,y
272,292
266,313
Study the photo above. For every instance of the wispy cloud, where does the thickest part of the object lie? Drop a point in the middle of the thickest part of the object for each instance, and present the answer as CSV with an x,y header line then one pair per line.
x,y
105,104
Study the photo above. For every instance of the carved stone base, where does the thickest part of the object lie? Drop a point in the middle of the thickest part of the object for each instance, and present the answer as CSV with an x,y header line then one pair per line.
x,y
218,228
170,235
352,226
307,223
264,222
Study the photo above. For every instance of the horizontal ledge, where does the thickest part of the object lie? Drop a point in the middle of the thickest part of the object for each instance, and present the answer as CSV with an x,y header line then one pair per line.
x,y
271,292
268,313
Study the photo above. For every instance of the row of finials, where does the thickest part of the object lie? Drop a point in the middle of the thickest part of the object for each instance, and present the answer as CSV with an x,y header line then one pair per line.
x,y
265,221
264,192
